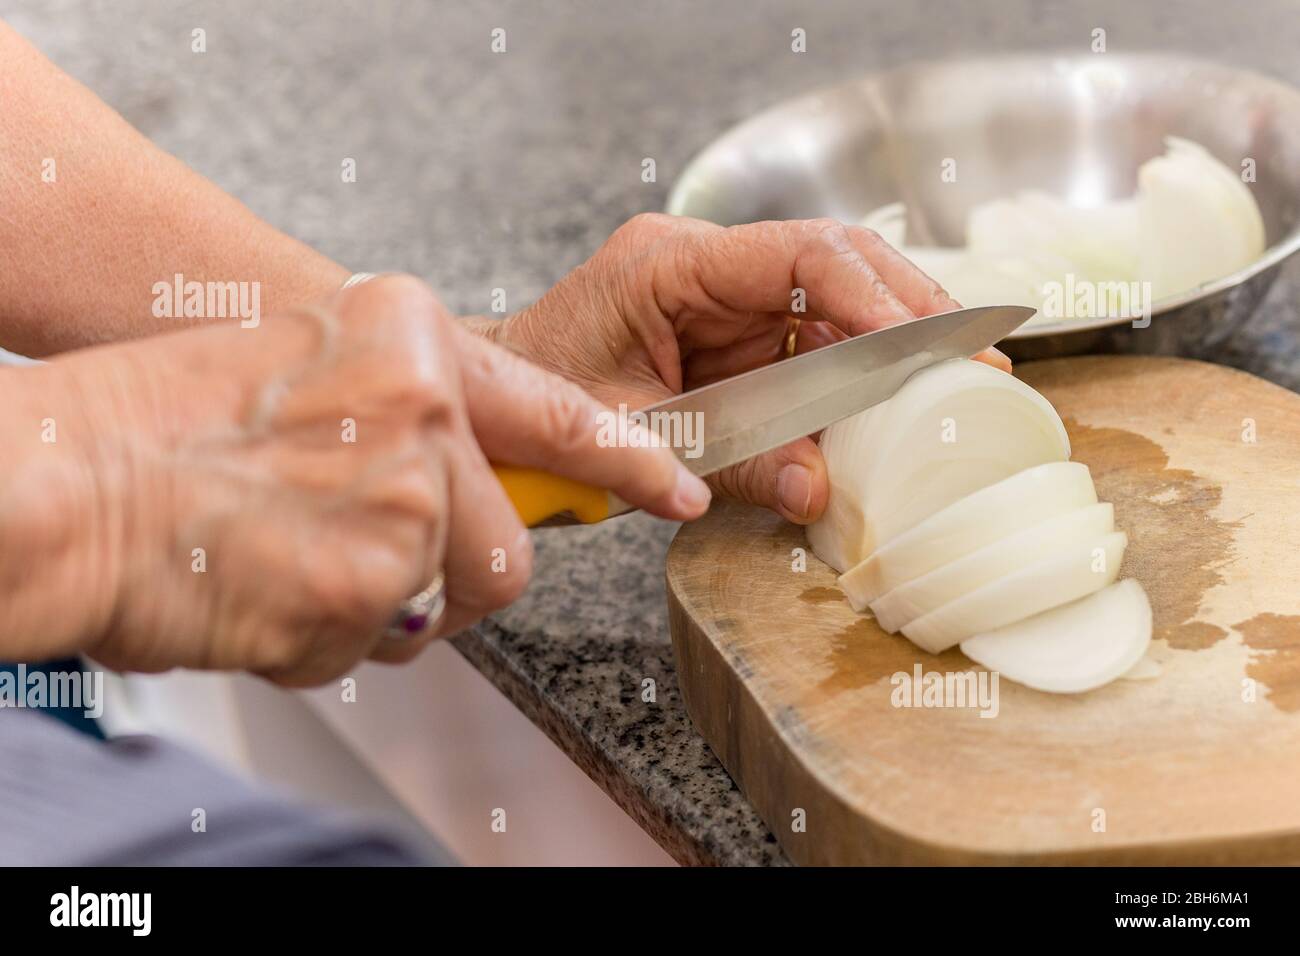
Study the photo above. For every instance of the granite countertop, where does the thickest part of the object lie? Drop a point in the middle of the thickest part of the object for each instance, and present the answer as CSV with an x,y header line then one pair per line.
x,y
479,170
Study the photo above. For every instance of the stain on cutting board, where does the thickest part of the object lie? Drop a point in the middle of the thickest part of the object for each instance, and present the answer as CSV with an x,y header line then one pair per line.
x,y
1274,640
862,654
821,595
1176,546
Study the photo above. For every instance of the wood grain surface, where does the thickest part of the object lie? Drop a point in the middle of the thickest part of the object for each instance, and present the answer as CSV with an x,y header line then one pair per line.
x,y
797,694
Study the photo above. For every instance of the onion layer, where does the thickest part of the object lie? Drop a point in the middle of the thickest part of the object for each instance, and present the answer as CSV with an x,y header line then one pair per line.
x,y
1075,573
1042,542
982,517
1075,647
952,429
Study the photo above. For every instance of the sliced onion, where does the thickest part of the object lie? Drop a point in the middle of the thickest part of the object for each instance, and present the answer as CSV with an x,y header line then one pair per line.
x,y
893,465
1074,647
1094,243
1067,577
1197,221
1191,221
1065,533
981,518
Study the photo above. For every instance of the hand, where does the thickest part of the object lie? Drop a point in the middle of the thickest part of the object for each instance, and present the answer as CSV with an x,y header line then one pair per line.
x,y
208,504
670,304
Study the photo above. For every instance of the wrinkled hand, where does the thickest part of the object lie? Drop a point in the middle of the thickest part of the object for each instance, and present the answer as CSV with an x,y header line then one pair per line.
x,y
264,498
670,304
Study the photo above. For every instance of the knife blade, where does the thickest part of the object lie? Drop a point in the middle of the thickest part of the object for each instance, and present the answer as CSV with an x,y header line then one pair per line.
x,y
734,419
767,407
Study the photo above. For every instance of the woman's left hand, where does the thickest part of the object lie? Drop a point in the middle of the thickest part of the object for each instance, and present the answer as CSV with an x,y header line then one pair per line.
x,y
670,304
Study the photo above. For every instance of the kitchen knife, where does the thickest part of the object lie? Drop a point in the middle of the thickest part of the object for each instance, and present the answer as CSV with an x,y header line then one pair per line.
x,y
751,413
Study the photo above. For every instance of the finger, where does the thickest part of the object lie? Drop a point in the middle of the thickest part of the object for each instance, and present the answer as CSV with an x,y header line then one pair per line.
x,y
920,293
352,601
995,357
710,365
482,550
757,268
760,348
522,415
489,552
815,335
790,480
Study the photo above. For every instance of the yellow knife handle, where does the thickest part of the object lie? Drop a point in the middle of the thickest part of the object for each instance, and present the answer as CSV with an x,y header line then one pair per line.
x,y
538,496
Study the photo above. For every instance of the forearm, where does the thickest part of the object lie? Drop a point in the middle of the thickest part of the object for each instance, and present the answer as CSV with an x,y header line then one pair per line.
x,y
95,217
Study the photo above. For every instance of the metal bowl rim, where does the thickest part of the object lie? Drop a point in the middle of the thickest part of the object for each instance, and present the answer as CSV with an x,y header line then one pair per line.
x,y
1272,256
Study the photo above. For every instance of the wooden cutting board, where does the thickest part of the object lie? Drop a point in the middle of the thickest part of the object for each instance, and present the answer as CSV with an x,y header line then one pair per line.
x,y
1200,765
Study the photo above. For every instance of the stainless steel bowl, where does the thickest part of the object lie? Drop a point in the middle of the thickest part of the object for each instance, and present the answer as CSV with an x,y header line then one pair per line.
x,y
1077,126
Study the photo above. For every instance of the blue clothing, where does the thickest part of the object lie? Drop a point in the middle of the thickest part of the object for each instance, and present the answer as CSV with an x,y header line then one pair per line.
x,y
74,717
69,800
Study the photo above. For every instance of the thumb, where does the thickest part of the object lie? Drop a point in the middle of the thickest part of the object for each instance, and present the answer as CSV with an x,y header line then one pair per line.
x,y
790,480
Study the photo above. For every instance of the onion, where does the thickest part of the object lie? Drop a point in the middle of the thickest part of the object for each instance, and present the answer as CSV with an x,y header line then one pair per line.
x,y
1075,647
952,429
1197,220
1011,505
1191,221
1098,243
1040,542
1072,574
980,532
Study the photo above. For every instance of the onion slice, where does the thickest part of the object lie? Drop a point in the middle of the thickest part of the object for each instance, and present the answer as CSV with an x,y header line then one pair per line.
x,y
1064,534
951,429
1073,574
1197,221
981,518
1072,648
1192,220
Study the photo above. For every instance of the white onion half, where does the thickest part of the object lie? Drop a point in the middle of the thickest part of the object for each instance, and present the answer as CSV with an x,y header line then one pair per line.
x,y
952,429
1064,534
982,517
1067,577
1072,648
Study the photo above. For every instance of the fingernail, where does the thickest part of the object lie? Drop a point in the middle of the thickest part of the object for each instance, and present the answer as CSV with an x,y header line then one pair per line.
x,y
1001,354
692,494
794,489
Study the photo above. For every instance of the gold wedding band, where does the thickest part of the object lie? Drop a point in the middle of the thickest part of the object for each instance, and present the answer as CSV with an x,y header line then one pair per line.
x,y
791,335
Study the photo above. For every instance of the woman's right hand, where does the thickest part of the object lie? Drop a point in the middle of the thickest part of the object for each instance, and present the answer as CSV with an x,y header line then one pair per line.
x,y
264,498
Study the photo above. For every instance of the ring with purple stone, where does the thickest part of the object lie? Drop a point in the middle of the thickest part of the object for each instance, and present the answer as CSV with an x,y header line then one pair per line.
x,y
418,615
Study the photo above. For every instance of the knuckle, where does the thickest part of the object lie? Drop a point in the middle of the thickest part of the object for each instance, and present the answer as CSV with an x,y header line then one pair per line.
x,y
509,584
868,236
828,231
568,420
399,290
652,223
646,229
739,481
344,594
396,314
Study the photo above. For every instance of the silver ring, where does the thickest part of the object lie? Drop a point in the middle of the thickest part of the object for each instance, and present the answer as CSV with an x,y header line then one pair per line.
x,y
418,615
357,278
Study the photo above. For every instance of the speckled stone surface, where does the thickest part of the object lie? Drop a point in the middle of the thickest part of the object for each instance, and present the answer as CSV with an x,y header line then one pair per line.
x,y
479,170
